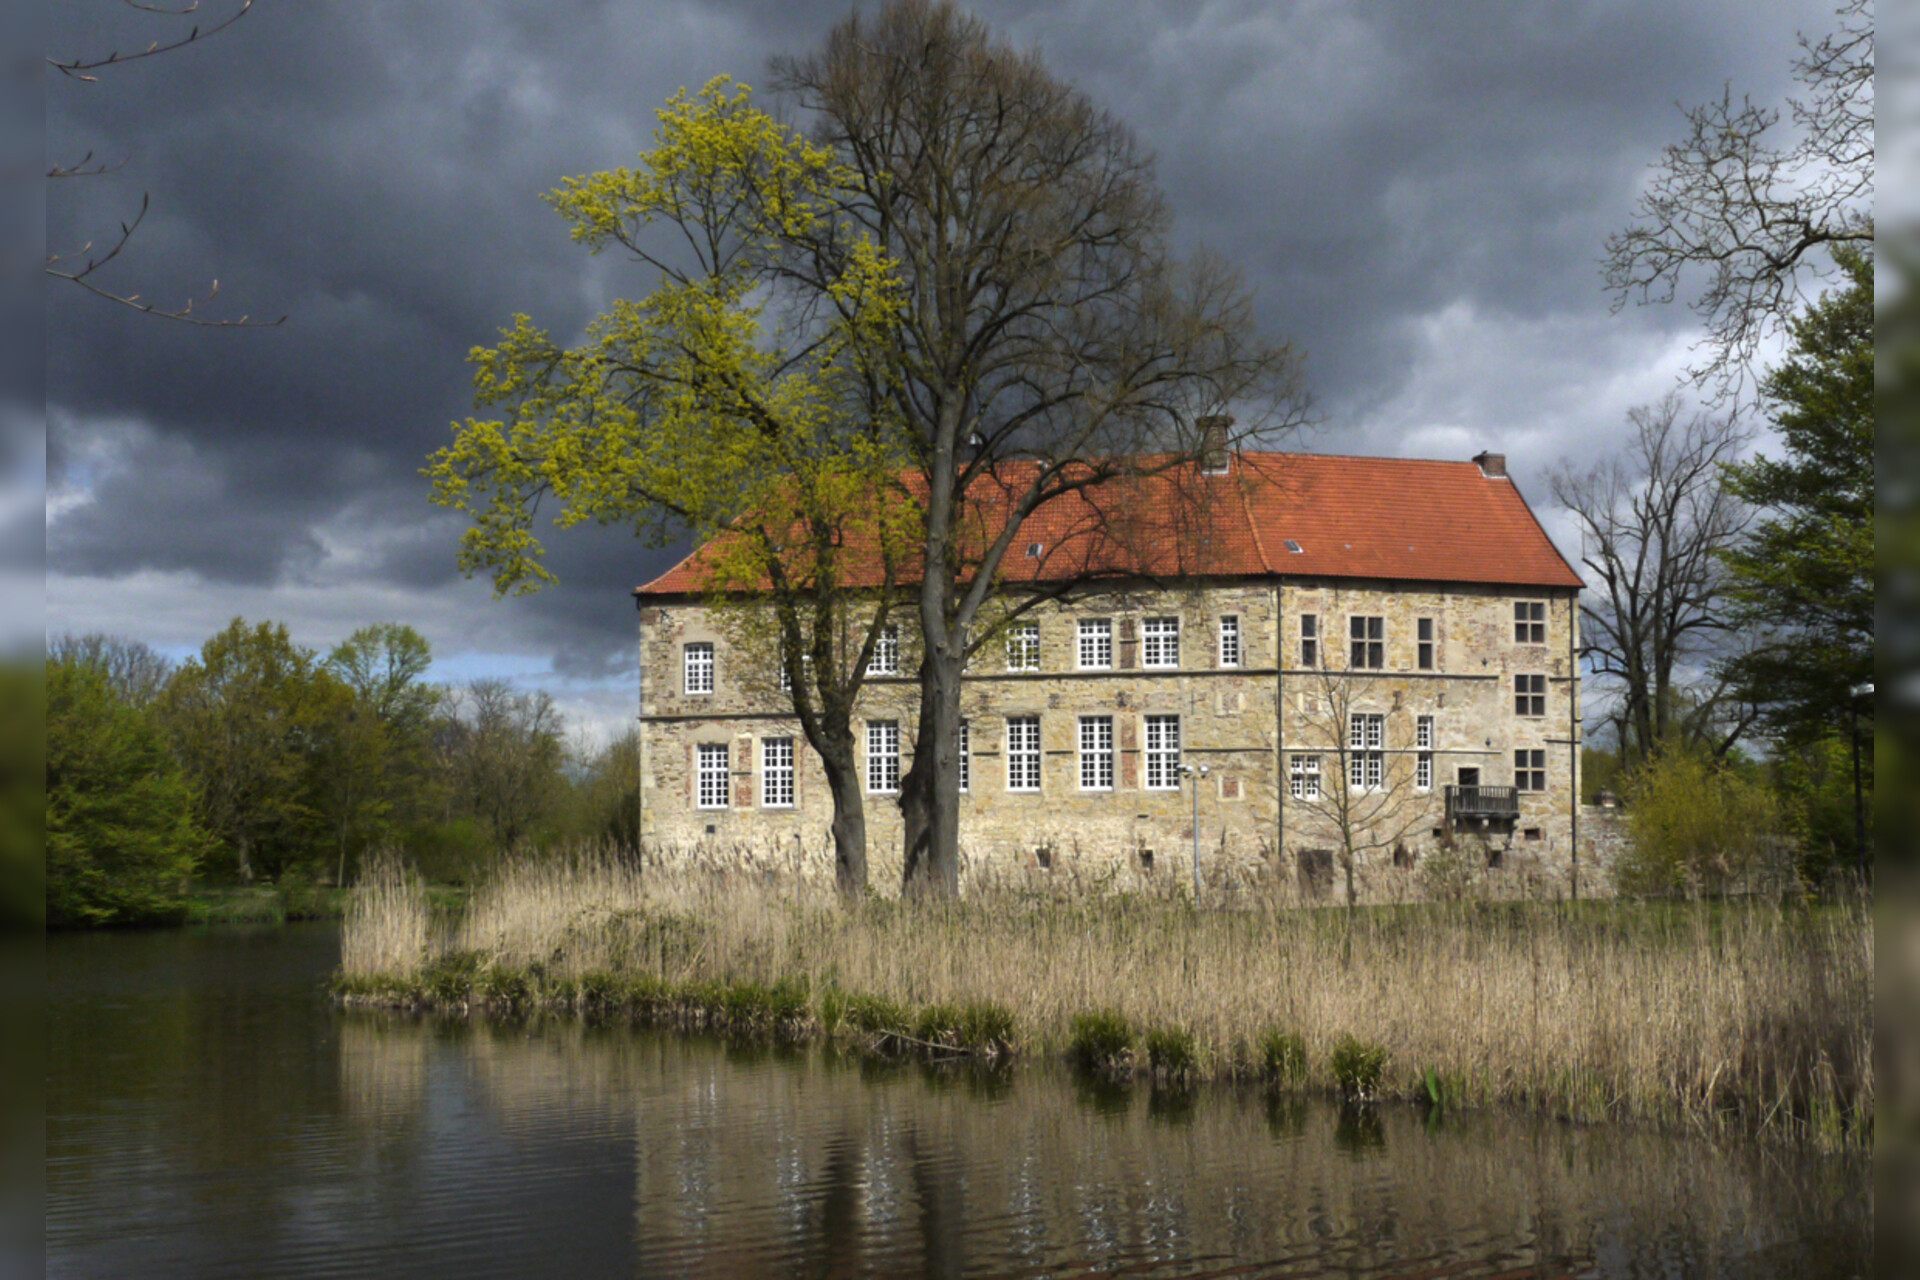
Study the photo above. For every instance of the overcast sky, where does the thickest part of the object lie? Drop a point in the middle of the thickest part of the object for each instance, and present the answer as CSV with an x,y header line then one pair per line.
x,y
1417,192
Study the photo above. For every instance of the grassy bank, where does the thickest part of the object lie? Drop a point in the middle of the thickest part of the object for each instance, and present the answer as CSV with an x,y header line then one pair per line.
x,y
279,904
1752,1016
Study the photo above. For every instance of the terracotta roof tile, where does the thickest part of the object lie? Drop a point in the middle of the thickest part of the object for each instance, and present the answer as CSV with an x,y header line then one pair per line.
x,y
1378,518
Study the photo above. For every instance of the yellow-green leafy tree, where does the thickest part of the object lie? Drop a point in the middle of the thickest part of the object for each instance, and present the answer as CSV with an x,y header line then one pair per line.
x,y
743,400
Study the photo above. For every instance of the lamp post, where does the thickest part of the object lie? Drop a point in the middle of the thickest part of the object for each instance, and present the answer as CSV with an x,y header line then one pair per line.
x,y
1858,691
1196,773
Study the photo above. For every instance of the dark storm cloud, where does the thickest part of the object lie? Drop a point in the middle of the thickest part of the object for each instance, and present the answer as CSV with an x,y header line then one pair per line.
x,y
1389,177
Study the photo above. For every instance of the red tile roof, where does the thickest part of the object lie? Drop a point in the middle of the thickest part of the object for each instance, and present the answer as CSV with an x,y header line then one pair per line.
x,y
1377,518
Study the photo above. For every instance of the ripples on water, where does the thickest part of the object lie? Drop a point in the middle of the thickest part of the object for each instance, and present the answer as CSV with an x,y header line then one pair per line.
x,y
208,1114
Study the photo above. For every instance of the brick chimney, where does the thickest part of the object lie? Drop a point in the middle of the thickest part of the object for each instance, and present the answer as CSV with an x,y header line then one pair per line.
x,y
1214,455
1492,465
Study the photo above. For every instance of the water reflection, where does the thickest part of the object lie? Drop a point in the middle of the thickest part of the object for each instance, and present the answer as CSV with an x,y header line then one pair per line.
x,y
205,1119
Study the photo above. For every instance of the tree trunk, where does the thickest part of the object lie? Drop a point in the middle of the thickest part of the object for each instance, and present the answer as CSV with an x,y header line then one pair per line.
x,y
246,861
849,822
930,793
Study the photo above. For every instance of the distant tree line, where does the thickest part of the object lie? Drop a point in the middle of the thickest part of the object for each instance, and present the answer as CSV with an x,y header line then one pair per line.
x,y
259,759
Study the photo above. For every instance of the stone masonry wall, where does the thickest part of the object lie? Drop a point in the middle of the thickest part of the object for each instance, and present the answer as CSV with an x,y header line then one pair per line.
x,y
1245,723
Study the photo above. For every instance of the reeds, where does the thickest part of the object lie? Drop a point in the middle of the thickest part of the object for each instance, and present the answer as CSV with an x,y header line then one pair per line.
x,y
1712,1014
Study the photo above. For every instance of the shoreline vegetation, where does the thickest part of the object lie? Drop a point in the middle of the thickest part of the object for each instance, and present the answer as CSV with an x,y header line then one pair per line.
x,y
1723,1016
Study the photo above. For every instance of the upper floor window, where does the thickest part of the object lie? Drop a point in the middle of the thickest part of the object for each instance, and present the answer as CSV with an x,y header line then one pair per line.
x,y
1163,753
1096,753
1230,641
1530,769
964,754
776,773
1023,753
886,653
699,667
1023,646
1309,639
1366,750
1160,642
1529,621
1096,644
1530,695
1423,644
1423,760
883,757
1368,634
711,776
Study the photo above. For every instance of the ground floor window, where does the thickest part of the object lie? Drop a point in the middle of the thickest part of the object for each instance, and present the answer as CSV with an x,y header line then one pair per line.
x,y
776,773
1163,753
1366,751
1023,753
1423,762
1096,753
711,791
883,757
1303,777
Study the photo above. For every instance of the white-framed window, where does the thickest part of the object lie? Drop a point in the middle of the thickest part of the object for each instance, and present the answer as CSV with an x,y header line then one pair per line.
x,y
1423,761
1163,753
1096,644
1023,753
1160,642
1530,695
1303,777
1366,750
712,789
1529,621
964,755
1023,646
1367,634
883,757
886,653
1096,753
1230,641
1309,640
1423,644
776,773
699,667
1530,769
786,671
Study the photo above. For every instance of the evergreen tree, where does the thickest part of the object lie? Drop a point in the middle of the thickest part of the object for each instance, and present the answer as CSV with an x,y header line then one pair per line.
x,y
1803,577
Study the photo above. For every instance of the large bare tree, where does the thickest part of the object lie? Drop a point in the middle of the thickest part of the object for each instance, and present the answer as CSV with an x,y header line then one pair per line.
x,y
1654,520
1757,204
1048,343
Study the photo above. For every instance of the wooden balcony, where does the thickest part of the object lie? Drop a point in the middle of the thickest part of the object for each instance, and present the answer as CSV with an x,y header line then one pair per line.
x,y
1482,802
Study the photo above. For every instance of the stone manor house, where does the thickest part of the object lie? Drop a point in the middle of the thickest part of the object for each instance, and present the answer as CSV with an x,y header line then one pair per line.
x,y
1335,656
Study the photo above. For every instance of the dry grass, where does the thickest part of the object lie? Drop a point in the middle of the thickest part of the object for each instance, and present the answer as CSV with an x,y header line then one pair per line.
x,y
1701,1013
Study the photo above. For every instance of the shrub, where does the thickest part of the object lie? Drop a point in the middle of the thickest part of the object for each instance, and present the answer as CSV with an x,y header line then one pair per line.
x,y
1170,1051
875,1014
986,1027
1100,1039
1698,826
1357,1066
502,986
787,1000
1283,1056
449,978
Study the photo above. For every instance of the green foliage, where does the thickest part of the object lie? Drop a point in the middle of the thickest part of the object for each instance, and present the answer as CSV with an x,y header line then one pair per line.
x,y
1813,782
23,797
1698,826
243,717
1357,1066
121,836
1283,1056
875,1014
451,978
1804,577
1100,1039
1170,1051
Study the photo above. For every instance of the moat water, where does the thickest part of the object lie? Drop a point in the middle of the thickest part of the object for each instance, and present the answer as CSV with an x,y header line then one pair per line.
x,y
210,1113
